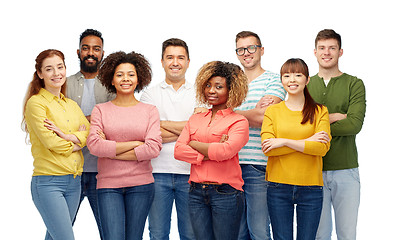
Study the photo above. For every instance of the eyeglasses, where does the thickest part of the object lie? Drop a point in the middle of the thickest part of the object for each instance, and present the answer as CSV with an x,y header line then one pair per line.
x,y
250,49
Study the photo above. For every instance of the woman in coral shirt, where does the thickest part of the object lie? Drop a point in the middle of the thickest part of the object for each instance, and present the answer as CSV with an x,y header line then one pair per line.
x,y
211,141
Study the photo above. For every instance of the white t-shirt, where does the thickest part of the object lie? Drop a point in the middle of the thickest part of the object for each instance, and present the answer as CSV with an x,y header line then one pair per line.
x,y
172,105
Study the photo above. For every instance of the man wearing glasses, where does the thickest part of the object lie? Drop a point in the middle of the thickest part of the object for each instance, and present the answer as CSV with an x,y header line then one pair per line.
x,y
265,88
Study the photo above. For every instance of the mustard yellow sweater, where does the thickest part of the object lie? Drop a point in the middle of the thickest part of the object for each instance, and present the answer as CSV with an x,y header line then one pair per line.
x,y
286,165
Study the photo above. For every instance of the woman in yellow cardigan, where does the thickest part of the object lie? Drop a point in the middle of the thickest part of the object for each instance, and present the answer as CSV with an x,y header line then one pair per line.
x,y
295,135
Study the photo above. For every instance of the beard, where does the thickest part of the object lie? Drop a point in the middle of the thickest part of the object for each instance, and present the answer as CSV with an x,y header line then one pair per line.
x,y
89,68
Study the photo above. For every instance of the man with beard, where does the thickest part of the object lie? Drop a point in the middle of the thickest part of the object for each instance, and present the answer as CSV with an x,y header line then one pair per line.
x,y
84,88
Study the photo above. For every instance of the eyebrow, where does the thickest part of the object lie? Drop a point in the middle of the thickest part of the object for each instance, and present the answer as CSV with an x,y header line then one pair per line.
x,y
86,45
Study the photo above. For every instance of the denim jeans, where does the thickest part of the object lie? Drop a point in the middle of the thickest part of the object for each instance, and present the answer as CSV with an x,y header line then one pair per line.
x,y
170,188
123,211
56,198
255,223
342,191
215,211
88,189
281,201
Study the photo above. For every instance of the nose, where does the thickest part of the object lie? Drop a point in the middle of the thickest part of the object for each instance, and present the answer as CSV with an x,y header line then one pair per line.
x,y
90,51
212,89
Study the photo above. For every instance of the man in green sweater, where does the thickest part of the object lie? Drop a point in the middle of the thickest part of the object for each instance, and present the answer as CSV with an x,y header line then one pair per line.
x,y
344,96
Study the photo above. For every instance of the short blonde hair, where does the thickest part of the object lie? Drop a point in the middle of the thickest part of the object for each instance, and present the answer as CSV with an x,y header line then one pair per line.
x,y
236,81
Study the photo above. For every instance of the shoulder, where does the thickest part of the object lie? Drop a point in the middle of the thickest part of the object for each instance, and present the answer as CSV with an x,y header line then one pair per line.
x,y
73,78
270,76
352,79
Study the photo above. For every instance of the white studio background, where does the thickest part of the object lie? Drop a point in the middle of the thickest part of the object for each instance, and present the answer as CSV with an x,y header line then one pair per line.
x,y
287,29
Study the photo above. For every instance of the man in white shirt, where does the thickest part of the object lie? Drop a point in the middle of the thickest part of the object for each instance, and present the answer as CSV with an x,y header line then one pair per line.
x,y
175,99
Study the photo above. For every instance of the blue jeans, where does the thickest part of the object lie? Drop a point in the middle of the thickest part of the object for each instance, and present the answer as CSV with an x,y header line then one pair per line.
x,y
255,223
56,198
168,188
342,191
88,189
123,211
281,200
215,211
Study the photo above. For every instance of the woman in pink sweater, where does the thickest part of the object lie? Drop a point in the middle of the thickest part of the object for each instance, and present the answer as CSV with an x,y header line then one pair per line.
x,y
210,141
125,135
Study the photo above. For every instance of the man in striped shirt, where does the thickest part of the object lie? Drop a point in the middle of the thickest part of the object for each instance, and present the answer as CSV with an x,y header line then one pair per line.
x,y
265,88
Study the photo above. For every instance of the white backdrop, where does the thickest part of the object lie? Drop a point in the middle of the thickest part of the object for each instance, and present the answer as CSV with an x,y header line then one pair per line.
x,y
287,29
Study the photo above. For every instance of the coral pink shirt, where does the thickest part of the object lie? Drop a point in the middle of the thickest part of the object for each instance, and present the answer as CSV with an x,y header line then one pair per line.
x,y
121,124
223,166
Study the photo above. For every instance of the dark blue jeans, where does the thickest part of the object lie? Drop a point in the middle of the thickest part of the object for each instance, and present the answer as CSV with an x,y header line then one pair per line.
x,y
281,199
215,211
123,211
88,189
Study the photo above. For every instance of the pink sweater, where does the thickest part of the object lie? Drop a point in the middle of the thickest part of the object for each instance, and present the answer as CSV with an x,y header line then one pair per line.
x,y
121,124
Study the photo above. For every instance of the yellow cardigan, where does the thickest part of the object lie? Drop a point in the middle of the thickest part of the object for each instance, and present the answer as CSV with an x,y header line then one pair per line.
x,y
286,165
52,154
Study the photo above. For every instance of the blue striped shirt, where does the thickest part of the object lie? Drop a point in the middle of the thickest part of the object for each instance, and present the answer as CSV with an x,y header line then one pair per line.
x,y
268,83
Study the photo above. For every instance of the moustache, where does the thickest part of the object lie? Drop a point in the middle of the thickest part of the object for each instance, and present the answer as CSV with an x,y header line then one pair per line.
x,y
90,56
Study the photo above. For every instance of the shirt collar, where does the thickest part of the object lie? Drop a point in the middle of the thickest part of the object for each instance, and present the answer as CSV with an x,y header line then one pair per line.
x,y
80,76
49,96
186,85
224,112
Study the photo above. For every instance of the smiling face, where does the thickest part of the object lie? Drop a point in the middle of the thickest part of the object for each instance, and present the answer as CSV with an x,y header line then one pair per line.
x,y
90,53
216,92
294,83
250,60
53,72
327,53
175,63
125,79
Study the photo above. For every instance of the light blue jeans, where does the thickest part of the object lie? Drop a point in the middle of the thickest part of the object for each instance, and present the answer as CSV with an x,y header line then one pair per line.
x,y
57,199
255,223
342,191
170,188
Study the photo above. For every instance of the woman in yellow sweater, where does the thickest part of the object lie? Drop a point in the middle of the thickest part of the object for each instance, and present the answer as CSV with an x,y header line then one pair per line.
x,y
295,135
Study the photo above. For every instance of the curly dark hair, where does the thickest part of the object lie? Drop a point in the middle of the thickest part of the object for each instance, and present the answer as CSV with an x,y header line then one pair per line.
x,y
91,32
236,81
110,63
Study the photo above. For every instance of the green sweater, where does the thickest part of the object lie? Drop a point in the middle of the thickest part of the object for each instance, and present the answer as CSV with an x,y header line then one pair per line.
x,y
343,94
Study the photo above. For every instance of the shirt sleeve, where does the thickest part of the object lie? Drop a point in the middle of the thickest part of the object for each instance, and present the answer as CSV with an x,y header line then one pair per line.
x,y
146,98
323,124
355,114
81,135
183,151
275,87
153,141
96,145
267,131
35,115
238,136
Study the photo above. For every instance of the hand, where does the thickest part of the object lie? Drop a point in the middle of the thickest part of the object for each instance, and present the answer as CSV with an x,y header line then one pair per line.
x,y
51,126
265,102
82,128
334,117
321,136
101,134
272,143
224,138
